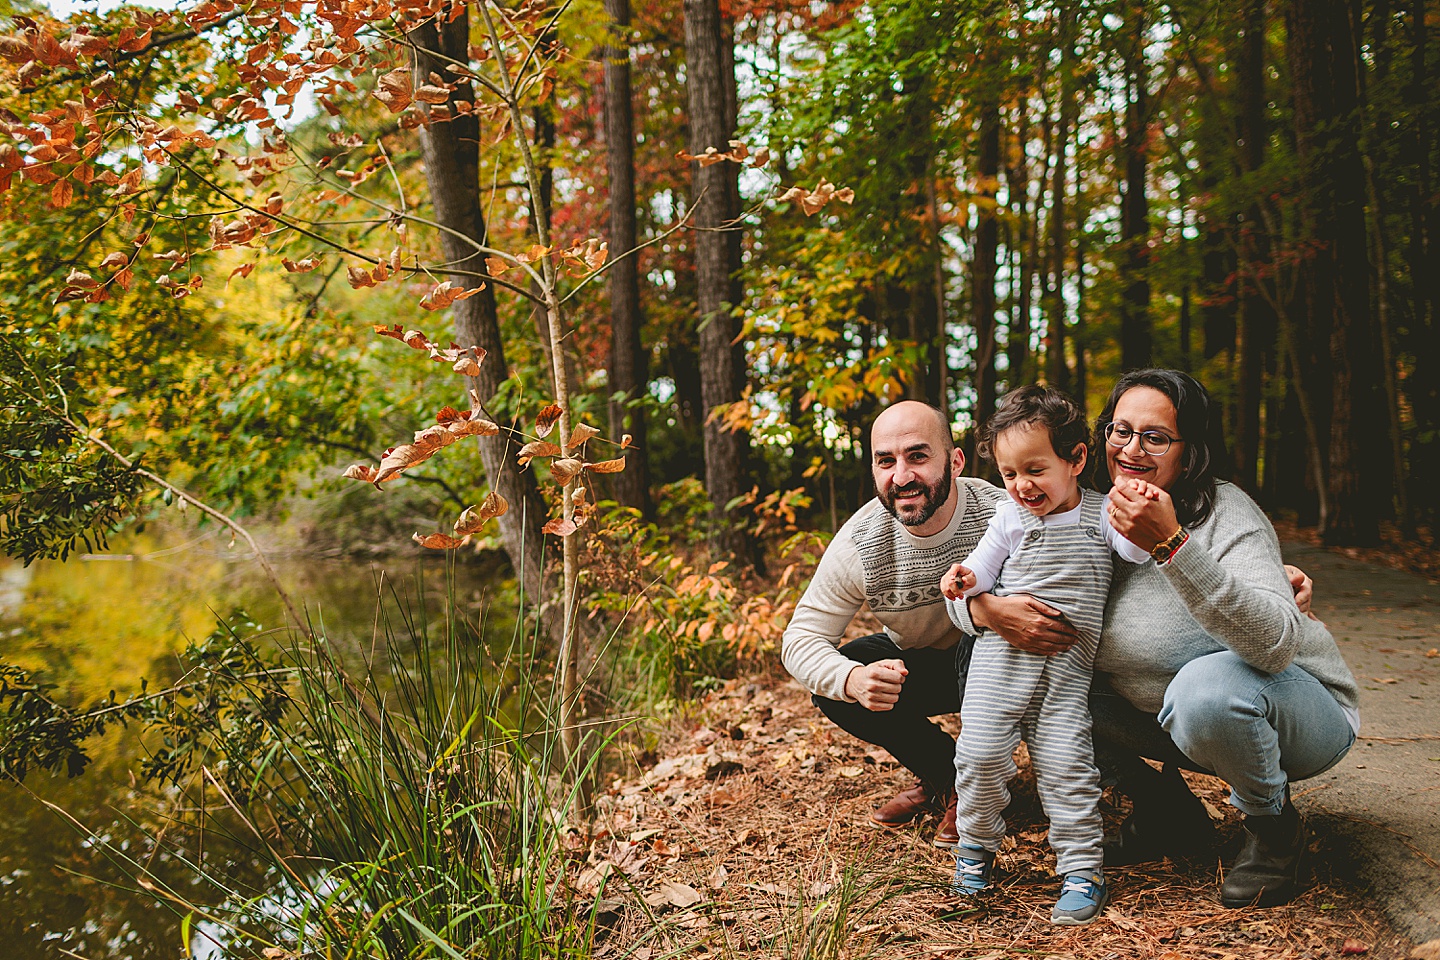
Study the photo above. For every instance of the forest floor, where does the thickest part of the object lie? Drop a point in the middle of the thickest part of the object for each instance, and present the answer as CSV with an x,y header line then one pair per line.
x,y
744,835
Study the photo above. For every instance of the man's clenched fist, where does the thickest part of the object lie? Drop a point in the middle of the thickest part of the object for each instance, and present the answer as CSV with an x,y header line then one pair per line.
x,y
876,686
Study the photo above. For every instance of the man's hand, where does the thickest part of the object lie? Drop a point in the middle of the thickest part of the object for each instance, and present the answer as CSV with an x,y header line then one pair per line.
x,y
1024,622
1304,589
876,686
956,581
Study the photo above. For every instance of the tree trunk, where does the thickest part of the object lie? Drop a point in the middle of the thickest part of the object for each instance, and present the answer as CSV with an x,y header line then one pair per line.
x,y
451,153
727,452
629,372
1057,371
1256,318
1136,348
1324,69
983,265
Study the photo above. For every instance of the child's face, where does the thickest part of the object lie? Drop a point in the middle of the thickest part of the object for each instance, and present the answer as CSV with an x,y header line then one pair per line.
x,y
1037,479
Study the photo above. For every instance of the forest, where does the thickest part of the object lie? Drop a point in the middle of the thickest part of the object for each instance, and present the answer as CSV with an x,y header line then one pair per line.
x,y
1036,191
664,261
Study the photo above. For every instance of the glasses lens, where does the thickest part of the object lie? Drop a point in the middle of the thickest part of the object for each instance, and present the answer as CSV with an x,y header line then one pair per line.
x,y
1118,435
1154,443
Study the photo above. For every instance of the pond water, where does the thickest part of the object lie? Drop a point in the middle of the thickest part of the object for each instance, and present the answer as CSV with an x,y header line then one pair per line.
x,y
99,623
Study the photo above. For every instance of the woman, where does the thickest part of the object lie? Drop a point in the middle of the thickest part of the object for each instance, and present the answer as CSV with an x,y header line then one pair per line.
x,y
1205,661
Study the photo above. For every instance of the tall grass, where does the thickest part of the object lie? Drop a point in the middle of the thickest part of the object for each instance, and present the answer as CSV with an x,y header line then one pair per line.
x,y
419,811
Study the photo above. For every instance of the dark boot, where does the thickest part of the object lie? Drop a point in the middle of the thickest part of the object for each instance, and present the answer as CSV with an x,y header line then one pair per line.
x,y
1267,871
1167,820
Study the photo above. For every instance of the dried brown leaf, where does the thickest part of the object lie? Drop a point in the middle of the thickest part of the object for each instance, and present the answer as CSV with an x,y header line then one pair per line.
x,y
565,470
581,433
539,448
607,466
477,427
438,541
361,471
559,527
546,419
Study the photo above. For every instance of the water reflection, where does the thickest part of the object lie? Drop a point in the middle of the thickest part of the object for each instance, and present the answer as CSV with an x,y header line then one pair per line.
x,y
96,624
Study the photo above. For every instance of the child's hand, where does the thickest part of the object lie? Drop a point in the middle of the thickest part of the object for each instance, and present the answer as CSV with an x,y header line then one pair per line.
x,y
956,581
1146,489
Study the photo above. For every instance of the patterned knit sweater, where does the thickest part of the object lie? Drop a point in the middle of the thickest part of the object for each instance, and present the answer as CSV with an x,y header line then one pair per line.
x,y
875,559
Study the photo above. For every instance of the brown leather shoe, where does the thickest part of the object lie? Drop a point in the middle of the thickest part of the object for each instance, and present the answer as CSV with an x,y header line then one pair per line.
x,y
904,807
947,835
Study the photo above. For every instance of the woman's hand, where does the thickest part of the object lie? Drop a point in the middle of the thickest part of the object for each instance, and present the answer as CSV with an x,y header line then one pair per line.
x,y
1142,513
1024,622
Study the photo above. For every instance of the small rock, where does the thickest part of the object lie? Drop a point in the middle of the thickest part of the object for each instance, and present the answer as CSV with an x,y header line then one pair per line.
x,y
1429,950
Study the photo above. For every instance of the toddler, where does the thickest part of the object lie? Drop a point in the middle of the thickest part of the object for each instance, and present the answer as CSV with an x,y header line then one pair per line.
x,y
1053,541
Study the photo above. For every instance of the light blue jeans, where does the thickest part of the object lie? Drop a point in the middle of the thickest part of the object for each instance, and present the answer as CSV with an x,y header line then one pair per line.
x,y
1256,731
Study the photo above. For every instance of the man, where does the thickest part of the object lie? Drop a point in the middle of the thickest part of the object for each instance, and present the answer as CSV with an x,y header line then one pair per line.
x,y
884,688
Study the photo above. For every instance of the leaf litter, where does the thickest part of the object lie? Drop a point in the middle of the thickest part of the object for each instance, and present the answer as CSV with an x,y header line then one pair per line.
x,y
745,834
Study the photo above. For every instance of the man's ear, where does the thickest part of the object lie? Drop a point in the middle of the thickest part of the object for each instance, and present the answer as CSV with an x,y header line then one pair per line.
x,y
957,461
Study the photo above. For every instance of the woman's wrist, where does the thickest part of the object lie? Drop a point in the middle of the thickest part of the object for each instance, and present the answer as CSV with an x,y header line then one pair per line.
x,y
1166,549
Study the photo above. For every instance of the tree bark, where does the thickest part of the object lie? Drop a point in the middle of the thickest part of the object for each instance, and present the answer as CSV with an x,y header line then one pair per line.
x,y
1057,370
1136,348
983,268
727,452
451,153
629,372
1324,71
1256,330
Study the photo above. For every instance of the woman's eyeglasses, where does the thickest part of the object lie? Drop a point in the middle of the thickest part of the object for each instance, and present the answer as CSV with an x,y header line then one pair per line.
x,y
1152,442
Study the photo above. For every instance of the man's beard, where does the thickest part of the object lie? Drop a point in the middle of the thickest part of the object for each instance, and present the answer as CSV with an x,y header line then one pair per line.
x,y
935,498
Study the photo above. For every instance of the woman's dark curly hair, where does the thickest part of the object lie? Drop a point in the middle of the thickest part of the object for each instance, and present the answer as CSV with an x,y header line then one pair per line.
x,y
1041,406
1203,454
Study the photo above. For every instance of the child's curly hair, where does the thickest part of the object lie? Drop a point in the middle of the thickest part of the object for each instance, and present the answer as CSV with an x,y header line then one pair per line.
x,y
1039,405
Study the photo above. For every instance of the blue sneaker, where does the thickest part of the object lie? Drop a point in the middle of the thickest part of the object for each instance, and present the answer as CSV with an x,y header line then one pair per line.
x,y
1082,897
972,870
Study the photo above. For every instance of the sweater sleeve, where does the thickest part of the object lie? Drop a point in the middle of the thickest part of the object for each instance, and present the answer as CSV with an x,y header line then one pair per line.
x,y
1236,588
835,594
1001,538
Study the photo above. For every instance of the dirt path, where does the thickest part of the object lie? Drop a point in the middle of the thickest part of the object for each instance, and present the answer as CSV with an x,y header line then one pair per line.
x,y
744,833
1382,802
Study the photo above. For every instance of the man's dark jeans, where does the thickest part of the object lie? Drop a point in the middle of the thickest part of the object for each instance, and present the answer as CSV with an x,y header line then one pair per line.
x,y
933,686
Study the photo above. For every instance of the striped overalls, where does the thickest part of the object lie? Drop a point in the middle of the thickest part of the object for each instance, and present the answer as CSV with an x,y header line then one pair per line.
x,y
1009,691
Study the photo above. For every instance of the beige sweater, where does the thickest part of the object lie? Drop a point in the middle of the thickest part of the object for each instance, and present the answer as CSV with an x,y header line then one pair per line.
x,y
875,559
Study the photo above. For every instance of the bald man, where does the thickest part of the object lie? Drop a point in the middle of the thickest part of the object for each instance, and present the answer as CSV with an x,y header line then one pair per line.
x,y
884,688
